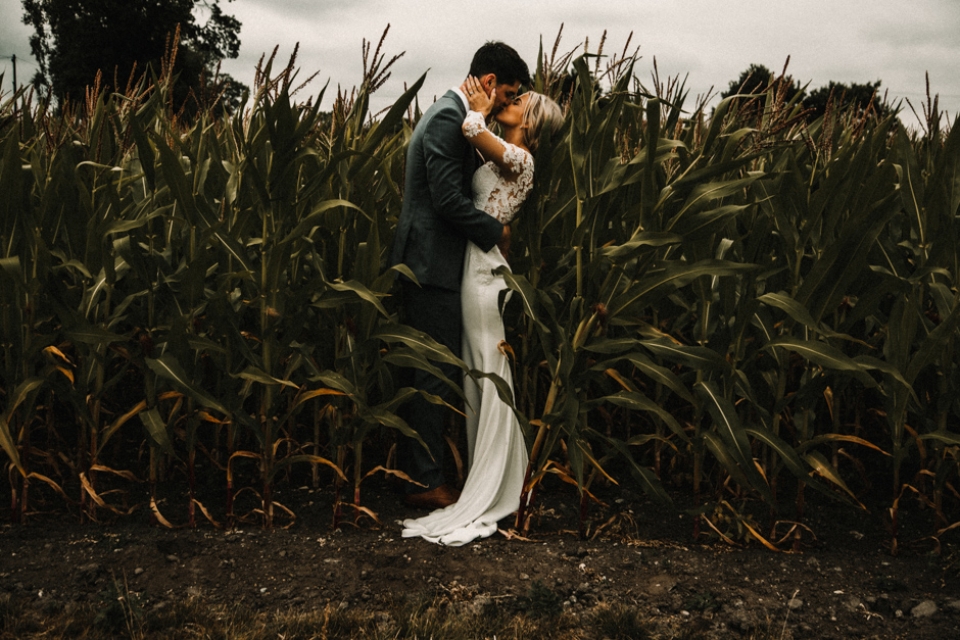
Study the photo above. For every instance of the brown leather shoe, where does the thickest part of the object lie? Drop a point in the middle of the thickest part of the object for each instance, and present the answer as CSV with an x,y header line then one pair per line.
x,y
442,496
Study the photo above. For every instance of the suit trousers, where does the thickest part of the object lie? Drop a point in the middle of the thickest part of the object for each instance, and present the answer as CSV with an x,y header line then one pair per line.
x,y
436,312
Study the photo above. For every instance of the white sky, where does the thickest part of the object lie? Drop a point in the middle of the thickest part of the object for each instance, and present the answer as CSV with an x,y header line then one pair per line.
x,y
709,40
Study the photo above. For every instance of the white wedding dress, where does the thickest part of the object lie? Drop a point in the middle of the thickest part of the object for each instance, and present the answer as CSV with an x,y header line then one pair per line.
x,y
497,452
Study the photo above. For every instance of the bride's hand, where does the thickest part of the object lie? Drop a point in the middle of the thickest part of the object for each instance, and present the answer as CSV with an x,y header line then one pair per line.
x,y
504,244
477,97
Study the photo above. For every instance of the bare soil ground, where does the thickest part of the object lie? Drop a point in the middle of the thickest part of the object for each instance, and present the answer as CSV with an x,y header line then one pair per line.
x,y
639,568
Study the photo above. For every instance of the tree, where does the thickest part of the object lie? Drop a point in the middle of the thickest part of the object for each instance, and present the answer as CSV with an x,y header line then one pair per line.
x,y
75,40
844,96
756,79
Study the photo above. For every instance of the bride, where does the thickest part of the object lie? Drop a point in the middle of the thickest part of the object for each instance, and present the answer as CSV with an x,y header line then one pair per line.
x,y
497,455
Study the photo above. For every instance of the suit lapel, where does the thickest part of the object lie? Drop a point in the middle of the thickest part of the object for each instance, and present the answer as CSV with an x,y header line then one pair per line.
x,y
451,94
472,160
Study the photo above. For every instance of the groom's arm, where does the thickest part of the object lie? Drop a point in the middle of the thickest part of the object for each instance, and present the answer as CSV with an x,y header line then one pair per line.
x,y
443,156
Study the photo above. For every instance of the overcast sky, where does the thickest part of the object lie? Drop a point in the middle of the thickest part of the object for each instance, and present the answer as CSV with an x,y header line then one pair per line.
x,y
708,40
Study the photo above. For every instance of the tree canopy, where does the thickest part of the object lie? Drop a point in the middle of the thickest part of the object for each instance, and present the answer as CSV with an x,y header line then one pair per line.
x,y
854,94
757,78
75,39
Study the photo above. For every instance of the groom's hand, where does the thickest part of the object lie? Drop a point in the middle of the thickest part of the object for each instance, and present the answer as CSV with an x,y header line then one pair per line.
x,y
504,244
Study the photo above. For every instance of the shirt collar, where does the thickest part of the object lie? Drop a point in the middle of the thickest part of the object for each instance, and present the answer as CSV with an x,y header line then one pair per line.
x,y
463,98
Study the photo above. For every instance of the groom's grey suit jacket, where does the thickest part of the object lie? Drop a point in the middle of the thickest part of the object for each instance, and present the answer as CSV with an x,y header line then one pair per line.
x,y
438,216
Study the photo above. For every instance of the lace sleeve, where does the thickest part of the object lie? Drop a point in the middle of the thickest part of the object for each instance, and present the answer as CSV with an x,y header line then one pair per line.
x,y
500,197
521,163
473,124
516,158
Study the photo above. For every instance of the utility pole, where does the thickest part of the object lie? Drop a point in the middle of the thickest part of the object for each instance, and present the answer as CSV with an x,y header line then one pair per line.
x,y
13,59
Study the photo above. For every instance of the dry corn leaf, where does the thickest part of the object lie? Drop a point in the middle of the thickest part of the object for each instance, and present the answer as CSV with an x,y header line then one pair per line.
x,y
206,514
392,472
159,516
127,475
56,487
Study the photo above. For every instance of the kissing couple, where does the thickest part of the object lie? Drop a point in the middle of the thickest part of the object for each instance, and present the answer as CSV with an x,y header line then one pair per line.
x,y
463,187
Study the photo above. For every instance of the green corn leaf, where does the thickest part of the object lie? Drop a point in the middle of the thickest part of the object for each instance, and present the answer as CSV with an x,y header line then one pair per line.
x,y
418,341
504,392
92,334
638,243
403,270
697,358
647,480
838,437
390,121
612,345
361,291
727,423
378,415
876,364
645,438
648,194
332,299
169,368
24,390
576,458
843,260
256,374
716,446
145,152
911,185
824,355
675,274
10,177
204,345
717,120
234,249
157,430
734,436
945,437
791,459
176,181
335,380
934,342
794,309
401,396
660,375
527,294
703,194
11,268
700,224
123,226
799,313
639,402
412,359
828,471
317,216
943,199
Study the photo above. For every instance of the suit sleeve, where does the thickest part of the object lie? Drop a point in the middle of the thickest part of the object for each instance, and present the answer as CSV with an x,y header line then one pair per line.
x,y
443,155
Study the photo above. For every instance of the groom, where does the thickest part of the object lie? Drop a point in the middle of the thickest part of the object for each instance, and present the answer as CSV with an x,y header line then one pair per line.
x,y
436,220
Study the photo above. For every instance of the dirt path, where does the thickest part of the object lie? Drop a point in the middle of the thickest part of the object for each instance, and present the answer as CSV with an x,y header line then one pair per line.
x,y
843,585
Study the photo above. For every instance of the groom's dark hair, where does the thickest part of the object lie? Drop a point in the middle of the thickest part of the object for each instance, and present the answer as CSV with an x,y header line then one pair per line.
x,y
502,61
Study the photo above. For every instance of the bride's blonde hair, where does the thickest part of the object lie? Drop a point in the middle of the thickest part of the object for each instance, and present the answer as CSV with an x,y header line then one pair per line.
x,y
539,111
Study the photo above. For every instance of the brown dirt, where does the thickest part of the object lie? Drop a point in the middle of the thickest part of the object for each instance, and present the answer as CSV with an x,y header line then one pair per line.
x,y
640,555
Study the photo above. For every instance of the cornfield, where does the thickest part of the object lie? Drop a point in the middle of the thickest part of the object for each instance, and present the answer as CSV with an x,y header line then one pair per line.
x,y
742,305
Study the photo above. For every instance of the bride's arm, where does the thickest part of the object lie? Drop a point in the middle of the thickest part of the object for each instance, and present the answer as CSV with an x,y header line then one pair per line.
x,y
490,146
